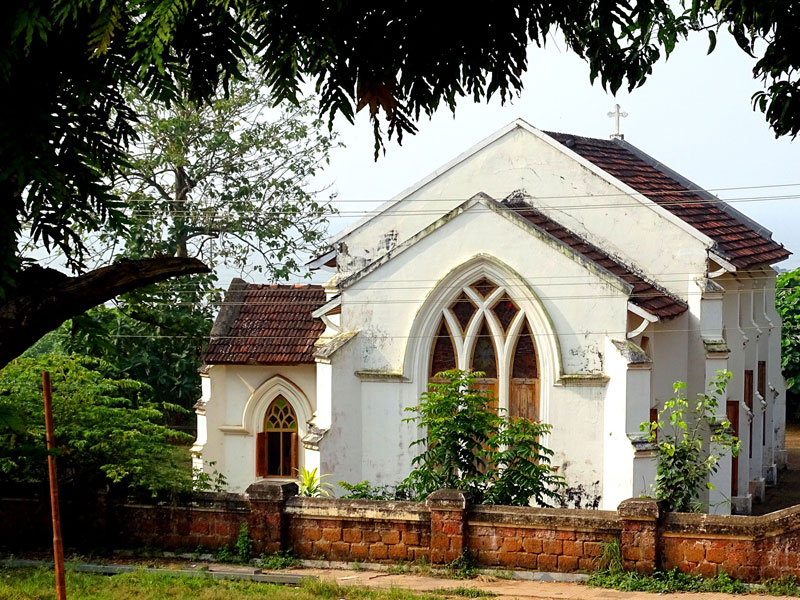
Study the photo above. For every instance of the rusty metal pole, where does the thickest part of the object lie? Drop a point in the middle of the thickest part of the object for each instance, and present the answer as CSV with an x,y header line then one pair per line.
x,y
58,549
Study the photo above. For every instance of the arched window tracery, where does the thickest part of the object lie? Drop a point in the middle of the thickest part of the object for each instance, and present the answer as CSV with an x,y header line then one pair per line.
x,y
277,443
483,329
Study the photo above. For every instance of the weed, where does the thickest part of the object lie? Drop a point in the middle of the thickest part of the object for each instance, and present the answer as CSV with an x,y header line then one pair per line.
x,y
785,586
610,558
422,566
501,574
465,592
663,582
226,555
199,551
283,559
244,544
399,568
461,568
356,565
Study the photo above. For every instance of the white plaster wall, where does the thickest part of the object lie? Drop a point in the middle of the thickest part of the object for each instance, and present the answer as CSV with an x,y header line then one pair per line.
x,y
384,305
617,449
669,343
736,339
230,388
340,449
646,237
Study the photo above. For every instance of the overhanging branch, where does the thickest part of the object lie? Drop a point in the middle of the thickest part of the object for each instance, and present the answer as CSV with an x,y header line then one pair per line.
x,y
45,298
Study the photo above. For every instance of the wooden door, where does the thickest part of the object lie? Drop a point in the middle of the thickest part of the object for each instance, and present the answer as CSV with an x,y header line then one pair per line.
x,y
523,398
489,384
748,400
732,413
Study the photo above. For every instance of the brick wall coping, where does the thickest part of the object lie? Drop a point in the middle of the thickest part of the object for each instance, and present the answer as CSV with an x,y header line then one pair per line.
x,y
605,521
338,508
204,501
727,526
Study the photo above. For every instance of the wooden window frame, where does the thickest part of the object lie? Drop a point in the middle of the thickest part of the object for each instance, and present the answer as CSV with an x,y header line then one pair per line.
x,y
262,445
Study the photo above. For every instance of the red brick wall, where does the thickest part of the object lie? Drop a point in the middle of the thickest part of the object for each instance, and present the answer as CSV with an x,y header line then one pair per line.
x,y
748,548
539,539
210,524
363,530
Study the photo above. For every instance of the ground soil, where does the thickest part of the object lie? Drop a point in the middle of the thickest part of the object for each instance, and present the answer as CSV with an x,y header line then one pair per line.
x,y
787,492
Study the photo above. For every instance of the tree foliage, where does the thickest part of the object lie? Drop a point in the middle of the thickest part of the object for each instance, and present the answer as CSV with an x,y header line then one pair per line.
x,y
468,446
687,436
787,302
227,182
64,134
108,431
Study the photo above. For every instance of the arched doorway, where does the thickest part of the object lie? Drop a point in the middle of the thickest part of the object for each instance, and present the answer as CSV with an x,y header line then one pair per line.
x,y
277,443
483,329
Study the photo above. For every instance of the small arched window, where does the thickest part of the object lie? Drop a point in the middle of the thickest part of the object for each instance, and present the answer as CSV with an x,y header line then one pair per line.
x,y
276,445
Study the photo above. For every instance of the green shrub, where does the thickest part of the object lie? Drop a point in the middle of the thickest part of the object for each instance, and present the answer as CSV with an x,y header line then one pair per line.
x,y
470,447
365,491
680,431
311,484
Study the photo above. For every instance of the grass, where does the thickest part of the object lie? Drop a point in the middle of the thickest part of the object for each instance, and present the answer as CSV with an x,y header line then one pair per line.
x,y
39,584
664,582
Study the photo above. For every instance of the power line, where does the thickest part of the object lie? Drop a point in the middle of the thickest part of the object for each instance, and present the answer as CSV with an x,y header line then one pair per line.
x,y
421,212
409,337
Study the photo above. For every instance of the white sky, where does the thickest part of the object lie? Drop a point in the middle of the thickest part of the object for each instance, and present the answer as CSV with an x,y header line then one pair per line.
x,y
693,114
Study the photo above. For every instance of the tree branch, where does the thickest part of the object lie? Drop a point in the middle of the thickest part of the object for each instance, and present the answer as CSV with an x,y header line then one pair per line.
x,y
45,298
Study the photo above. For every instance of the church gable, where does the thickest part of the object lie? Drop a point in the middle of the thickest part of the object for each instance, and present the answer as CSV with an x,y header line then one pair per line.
x,y
567,174
645,294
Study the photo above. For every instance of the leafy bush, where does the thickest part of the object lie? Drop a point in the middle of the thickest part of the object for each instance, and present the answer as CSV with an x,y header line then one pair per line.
x,y
522,465
107,430
785,586
684,466
470,447
209,482
365,491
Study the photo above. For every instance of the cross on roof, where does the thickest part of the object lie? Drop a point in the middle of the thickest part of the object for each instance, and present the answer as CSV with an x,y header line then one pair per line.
x,y
617,113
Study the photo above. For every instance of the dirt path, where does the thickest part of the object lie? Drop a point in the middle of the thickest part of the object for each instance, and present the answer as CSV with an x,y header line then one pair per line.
x,y
787,492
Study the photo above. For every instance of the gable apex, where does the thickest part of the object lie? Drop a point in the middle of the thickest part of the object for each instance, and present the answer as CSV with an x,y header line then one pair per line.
x,y
469,152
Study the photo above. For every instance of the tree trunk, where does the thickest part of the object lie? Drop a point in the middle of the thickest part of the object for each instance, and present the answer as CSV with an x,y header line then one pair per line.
x,y
45,298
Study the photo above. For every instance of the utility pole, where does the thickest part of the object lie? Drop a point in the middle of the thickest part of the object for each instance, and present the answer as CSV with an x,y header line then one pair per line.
x,y
58,549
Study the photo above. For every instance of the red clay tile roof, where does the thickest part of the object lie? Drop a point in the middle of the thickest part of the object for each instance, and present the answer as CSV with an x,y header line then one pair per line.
x,y
646,295
737,241
266,324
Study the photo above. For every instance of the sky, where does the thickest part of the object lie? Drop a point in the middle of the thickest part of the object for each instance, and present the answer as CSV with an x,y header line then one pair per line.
x,y
693,114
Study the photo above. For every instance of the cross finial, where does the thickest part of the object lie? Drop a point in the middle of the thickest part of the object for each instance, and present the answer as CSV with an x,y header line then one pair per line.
x,y
617,113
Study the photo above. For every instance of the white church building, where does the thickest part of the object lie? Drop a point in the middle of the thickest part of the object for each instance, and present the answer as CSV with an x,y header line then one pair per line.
x,y
581,275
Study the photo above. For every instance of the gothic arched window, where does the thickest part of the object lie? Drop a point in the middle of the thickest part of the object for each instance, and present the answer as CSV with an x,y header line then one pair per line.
x,y
483,329
276,445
